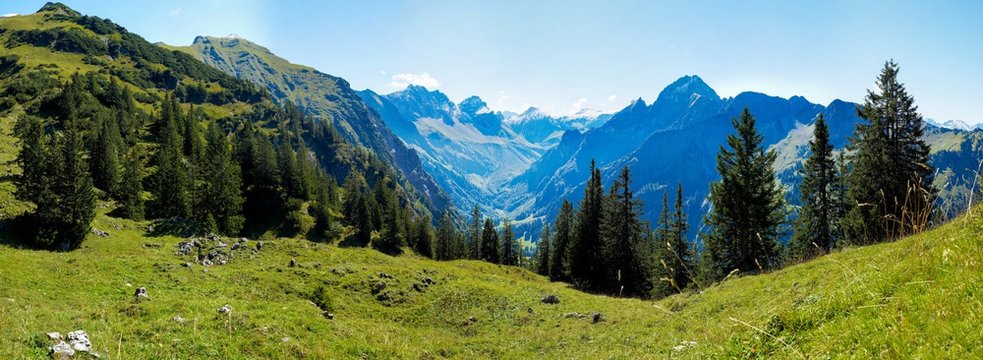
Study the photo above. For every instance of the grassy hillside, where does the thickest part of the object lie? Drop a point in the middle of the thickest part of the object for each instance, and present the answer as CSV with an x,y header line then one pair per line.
x,y
918,297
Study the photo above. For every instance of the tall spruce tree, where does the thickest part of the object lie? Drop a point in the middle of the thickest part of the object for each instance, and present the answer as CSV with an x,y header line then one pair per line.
x,y
747,206
423,237
623,250
221,185
171,184
510,249
587,268
474,234
489,243
444,249
357,210
890,187
77,204
673,260
130,194
562,238
814,228
542,258
104,160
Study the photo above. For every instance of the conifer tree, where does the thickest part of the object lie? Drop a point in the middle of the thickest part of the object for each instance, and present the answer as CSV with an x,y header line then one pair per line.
x,y
171,183
444,249
474,234
221,188
76,208
621,231
587,268
130,194
542,258
890,187
423,243
747,206
489,243
814,229
357,209
392,237
672,256
510,249
104,161
562,238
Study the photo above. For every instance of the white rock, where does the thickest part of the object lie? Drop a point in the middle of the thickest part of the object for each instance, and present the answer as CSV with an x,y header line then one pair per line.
x,y
79,340
61,350
54,335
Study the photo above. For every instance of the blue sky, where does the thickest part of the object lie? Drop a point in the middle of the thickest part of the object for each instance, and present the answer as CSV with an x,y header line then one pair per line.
x,y
564,55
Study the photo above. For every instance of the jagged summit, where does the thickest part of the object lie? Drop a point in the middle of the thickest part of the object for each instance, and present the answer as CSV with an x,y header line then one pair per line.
x,y
686,86
473,105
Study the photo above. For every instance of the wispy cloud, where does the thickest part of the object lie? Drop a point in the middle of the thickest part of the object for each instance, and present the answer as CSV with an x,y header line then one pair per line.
x,y
401,81
175,12
612,98
502,98
578,105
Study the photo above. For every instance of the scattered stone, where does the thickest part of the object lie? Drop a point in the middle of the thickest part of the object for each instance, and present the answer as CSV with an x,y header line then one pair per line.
x,y
259,245
225,309
551,299
472,320
597,317
284,339
293,262
419,288
242,240
329,316
178,319
54,335
385,276
212,237
100,233
236,246
574,315
683,345
61,351
206,262
152,245
187,264
529,310
141,293
79,340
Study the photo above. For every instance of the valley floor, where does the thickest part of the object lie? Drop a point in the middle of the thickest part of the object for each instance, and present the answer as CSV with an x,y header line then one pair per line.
x,y
919,297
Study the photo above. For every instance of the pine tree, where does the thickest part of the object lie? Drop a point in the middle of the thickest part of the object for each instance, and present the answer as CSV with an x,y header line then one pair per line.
x,y
562,238
357,211
171,183
510,249
423,243
621,231
105,154
221,186
474,234
747,206
587,268
261,177
130,192
542,258
393,236
673,262
77,207
814,229
489,243
890,186
444,250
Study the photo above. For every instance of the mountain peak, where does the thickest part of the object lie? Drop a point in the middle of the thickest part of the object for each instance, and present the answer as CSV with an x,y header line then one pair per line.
x,y
59,8
685,87
473,105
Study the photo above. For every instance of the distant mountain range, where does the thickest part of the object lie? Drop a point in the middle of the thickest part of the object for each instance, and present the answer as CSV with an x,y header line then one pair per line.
x,y
522,165
471,150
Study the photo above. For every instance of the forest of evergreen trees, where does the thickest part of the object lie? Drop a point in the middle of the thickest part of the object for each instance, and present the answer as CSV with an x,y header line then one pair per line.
x,y
91,142
878,189
255,173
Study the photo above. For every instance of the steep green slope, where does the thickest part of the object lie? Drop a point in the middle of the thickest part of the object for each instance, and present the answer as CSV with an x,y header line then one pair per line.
x,y
918,297
324,97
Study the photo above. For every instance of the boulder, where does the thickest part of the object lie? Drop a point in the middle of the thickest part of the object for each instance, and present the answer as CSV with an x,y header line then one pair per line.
x,y
54,335
61,351
79,340
597,317
141,293
551,299
225,309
